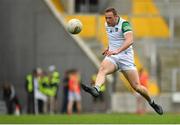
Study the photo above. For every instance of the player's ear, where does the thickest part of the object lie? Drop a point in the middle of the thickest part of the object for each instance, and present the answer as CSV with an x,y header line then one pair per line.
x,y
116,16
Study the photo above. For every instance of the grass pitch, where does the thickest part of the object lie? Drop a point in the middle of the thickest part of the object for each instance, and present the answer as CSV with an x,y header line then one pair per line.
x,y
93,119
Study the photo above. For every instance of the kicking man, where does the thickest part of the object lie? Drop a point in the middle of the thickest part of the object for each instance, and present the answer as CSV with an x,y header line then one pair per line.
x,y
120,56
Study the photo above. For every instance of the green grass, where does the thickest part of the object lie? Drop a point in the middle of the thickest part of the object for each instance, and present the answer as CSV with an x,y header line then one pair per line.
x,y
93,118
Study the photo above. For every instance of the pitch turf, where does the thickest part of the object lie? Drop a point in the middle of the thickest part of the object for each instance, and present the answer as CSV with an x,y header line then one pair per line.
x,y
93,118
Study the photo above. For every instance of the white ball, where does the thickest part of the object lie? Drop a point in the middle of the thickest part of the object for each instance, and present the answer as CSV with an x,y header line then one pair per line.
x,y
74,26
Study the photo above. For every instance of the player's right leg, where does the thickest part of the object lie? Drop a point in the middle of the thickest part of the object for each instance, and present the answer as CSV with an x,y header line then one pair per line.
x,y
107,67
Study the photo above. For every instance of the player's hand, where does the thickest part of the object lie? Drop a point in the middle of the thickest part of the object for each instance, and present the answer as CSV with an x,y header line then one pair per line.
x,y
104,52
109,53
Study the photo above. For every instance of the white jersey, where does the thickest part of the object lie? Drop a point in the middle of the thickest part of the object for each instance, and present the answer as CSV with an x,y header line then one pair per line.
x,y
116,34
125,59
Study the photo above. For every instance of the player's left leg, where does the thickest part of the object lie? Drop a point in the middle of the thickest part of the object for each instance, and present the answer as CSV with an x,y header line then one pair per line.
x,y
133,78
107,67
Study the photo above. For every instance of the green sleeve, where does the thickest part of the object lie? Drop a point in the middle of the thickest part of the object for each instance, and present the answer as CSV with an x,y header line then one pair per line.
x,y
126,27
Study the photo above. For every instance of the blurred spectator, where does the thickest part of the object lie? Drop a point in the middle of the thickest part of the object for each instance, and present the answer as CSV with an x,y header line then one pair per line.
x,y
44,88
35,100
50,85
11,100
29,85
74,95
65,92
54,78
144,78
40,97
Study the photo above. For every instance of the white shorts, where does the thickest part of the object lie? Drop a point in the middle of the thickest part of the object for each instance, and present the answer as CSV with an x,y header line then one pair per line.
x,y
72,96
123,61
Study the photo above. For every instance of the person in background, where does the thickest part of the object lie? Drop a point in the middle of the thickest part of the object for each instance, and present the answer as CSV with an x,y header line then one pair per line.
x,y
29,87
54,81
65,92
9,96
44,88
74,95
40,97
49,86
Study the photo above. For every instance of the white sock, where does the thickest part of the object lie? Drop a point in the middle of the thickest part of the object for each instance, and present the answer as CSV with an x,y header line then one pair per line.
x,y
97,87
151,101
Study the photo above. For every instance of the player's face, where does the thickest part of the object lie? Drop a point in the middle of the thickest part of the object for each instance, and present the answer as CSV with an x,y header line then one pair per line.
x,y
110,18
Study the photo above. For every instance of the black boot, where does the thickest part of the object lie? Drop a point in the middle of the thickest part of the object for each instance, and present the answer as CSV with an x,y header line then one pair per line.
x,y
157,108
92,90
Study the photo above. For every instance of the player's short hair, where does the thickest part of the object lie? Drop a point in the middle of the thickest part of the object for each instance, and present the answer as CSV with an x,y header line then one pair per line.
x,y
111,9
